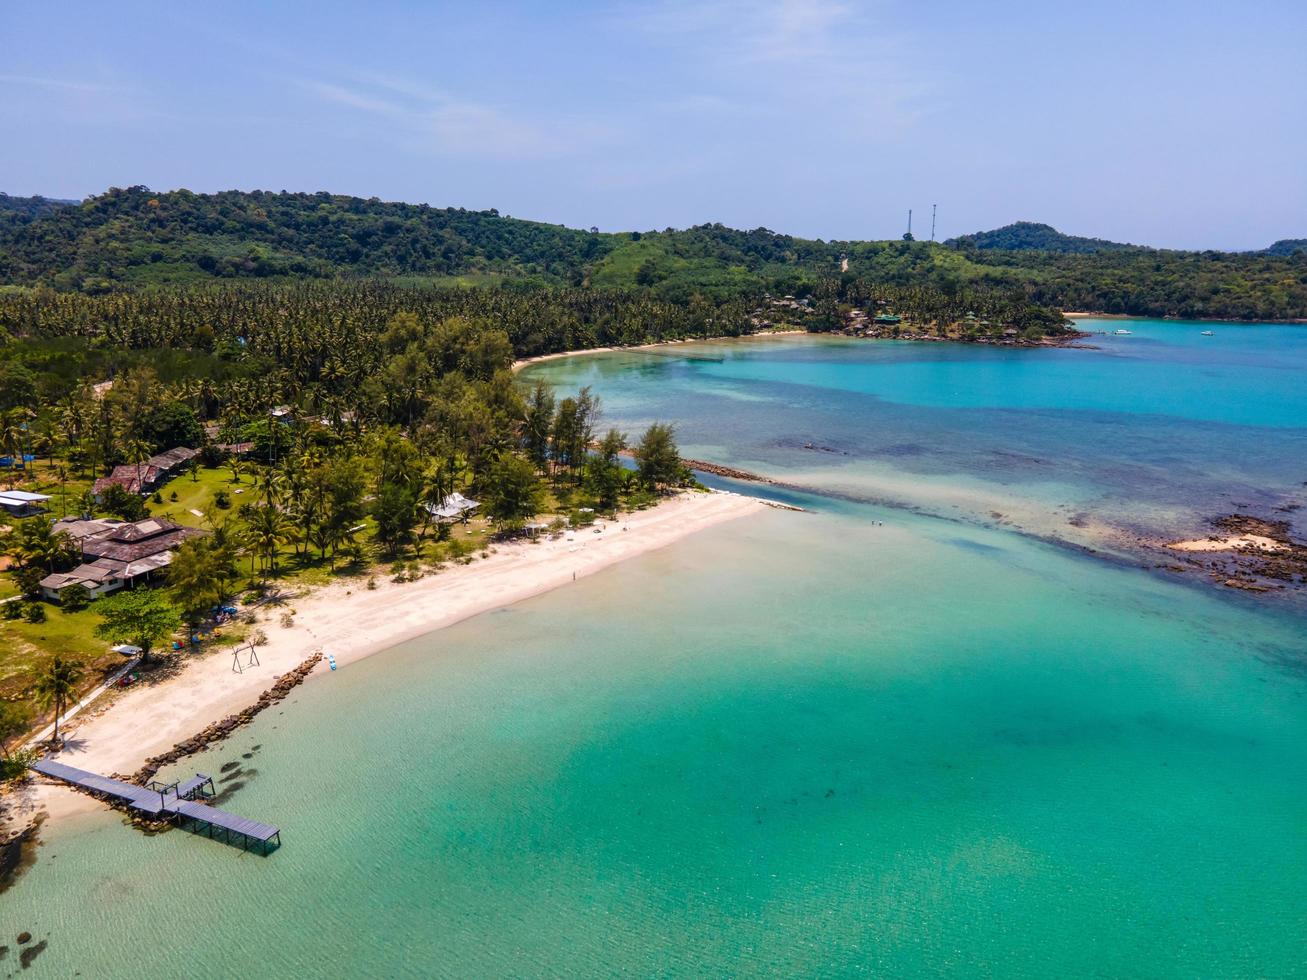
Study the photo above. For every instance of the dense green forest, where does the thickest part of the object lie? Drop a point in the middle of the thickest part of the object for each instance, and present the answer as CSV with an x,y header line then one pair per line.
x,y
134,239
21,210
1025,236
1288,246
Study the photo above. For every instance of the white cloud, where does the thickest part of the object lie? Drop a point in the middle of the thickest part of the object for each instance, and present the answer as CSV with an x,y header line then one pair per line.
x,y
786,56
341,95
60,84
441,122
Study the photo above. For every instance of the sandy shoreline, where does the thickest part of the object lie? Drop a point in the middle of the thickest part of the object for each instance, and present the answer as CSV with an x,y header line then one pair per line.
x,y
350,622
1258,542
1081,315
518,365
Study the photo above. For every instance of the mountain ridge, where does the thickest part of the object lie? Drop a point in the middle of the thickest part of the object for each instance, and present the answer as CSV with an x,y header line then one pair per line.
x,y
135,238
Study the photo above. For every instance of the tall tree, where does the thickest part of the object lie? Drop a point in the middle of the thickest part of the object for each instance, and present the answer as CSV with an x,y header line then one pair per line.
x,y
199,576
56,687
604,473
396,512
658,461
35,544
515,492
267,528
141,617
539,419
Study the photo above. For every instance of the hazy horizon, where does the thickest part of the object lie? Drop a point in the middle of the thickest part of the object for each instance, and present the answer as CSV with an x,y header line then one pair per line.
x,y
1169,126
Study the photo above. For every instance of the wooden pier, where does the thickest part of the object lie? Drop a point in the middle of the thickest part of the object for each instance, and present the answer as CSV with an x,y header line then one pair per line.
x,y
176,801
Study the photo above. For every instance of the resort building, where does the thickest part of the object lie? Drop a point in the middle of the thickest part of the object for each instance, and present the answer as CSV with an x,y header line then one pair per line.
x,y
20,503
213,431
142,478
120,553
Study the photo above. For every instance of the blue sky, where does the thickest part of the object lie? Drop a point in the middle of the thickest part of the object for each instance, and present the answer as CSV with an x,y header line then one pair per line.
x,y
1174,124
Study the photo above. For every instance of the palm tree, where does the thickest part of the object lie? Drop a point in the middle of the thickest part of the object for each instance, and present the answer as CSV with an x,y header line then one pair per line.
x,y
138,452
36,543
11,440
55,686
267,528
436,486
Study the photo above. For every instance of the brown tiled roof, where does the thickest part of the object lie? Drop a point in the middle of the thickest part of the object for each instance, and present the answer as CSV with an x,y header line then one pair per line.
x,y
173,458
132,542
76,528
125,476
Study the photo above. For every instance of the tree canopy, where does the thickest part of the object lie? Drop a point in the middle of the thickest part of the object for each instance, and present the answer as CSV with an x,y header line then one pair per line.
x,y
134,239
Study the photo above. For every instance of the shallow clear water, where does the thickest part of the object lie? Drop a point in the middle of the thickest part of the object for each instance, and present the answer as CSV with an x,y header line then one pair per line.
x,y
851,741
1156,432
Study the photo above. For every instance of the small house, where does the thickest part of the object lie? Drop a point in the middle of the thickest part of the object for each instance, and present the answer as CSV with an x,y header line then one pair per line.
x,y
143,478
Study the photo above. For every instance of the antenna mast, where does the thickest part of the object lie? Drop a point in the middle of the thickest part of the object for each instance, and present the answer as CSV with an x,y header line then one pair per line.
x,y
932,221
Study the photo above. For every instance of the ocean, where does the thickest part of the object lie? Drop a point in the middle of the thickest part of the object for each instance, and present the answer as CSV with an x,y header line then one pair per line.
x,y
917,729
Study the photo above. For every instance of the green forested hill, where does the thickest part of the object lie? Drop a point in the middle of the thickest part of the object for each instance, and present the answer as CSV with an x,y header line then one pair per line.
x,y
133,239
21,210
1288,246
1032,236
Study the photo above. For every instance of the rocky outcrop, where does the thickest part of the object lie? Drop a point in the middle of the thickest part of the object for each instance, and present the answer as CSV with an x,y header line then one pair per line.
x,y
219,730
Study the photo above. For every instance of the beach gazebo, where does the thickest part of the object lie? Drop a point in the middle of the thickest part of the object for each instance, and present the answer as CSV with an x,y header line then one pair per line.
x,y
454,507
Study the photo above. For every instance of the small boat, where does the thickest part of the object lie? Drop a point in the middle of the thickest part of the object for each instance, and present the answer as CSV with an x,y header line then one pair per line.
x,y
1207,333
1123,333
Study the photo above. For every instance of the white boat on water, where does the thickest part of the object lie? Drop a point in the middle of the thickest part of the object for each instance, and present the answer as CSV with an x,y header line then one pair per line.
x,y
1123,333
1207,333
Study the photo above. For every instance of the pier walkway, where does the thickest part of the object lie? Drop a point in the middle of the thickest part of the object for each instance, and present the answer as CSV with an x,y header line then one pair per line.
x,y
176,801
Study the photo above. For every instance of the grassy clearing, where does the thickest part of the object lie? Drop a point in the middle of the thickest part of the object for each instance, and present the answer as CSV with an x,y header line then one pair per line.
x,y
25,648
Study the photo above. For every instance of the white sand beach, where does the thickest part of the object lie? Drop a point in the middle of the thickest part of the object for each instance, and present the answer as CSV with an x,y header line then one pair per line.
x,y
1231,542
523,362
350,621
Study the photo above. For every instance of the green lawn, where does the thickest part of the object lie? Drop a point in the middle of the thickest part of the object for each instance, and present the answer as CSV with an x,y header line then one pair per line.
x,y
26,647
197,494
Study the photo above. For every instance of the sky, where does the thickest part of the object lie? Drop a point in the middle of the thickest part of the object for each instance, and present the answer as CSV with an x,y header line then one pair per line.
x,y
1173,124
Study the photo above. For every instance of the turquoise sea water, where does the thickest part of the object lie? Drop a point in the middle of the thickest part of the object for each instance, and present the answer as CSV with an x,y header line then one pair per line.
x,y
854,741
1156,432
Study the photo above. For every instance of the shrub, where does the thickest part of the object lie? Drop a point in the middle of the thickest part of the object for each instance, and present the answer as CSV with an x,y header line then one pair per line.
x,y
12,610
29,579
75,598
222,499
173,496
16,765
287,620
158,497
34,612
120,503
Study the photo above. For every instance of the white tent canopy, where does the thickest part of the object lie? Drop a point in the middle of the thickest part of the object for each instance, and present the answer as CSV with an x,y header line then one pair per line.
x,y
452,507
